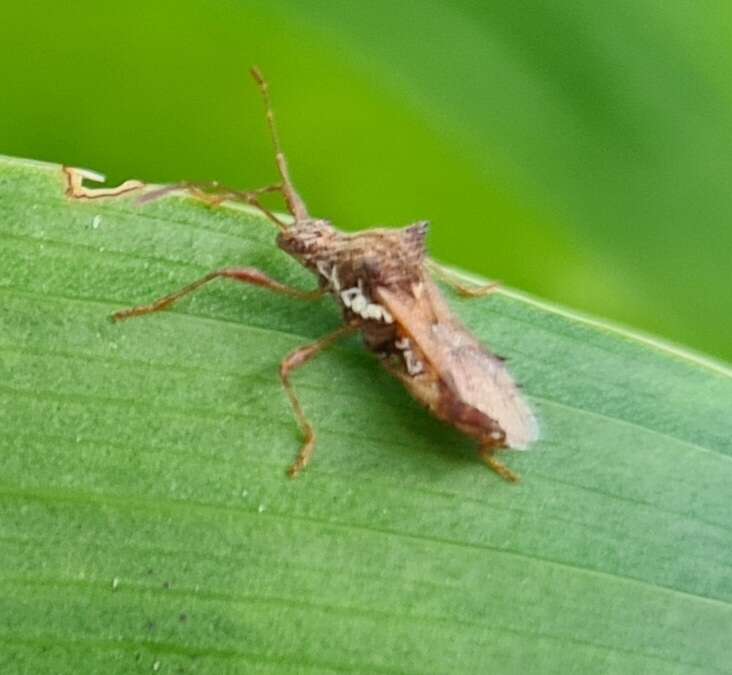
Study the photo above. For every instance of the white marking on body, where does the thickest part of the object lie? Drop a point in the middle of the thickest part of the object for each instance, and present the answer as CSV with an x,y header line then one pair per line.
x,y
358,303
496,435
331,277
373,311
349,295
414,365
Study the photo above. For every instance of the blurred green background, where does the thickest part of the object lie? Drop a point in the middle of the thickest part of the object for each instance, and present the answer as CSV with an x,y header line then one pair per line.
x,y
579,150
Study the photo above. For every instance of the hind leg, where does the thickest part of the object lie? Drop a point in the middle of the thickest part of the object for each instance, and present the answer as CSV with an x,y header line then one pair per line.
x,y
488,454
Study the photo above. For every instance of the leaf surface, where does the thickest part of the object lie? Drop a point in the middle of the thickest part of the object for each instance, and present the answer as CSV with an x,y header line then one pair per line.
x,y
146,522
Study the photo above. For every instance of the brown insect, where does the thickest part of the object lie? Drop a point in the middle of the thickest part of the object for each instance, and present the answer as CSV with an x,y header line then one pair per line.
x,y
381,280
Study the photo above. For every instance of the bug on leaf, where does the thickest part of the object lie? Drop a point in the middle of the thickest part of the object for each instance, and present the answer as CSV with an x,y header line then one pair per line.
x,y
382,280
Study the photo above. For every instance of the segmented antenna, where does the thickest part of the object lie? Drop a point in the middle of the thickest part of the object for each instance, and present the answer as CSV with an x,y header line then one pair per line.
x,y
295,204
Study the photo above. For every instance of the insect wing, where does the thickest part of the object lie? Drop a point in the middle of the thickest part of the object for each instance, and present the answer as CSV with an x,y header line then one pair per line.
x,y
476,376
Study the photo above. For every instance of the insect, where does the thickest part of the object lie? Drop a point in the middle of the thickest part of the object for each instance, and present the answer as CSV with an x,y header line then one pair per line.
x,y
382,280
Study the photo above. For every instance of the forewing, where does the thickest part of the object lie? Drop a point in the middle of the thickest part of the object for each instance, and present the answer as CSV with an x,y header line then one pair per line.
x,y
476,376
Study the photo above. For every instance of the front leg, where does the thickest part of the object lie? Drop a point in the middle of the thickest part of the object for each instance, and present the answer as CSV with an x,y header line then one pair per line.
x,y
294,360
214,194
247,275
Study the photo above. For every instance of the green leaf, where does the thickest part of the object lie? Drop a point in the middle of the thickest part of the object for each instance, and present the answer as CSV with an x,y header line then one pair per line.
x,y
146,522
577,149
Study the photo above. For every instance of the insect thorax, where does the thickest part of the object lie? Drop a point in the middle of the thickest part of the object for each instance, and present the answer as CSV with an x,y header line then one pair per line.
x,y
354,267
306,240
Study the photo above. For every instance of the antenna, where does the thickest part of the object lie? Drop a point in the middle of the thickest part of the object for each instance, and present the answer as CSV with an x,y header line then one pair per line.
x,y
295,204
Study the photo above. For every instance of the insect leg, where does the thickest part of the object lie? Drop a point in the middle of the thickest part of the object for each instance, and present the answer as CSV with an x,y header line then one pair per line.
x,y
294,202
488,455
248,275
214,194
455,282
294,360
211,192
